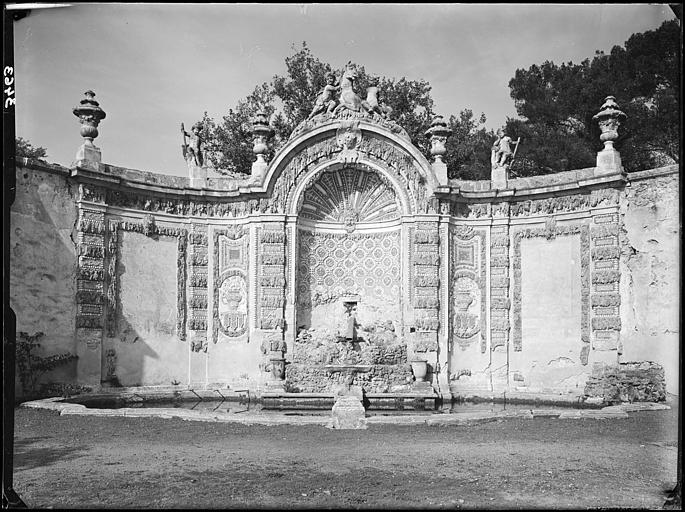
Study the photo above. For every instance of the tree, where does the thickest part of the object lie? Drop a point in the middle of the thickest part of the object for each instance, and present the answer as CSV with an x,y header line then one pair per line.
x,y
557,103
26,150
289,100
468,148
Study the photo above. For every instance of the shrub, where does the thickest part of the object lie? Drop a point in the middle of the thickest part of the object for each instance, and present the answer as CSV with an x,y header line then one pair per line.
x,y
32,367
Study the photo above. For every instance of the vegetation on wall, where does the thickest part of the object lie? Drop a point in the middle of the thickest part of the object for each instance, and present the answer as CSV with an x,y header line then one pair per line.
x,y
26,150
32,367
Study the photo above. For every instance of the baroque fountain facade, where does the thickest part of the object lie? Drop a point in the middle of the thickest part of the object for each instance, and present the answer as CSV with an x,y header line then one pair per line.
x,y
344,259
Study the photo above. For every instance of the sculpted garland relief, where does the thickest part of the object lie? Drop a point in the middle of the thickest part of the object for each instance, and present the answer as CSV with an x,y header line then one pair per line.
x,y
468,286
230,283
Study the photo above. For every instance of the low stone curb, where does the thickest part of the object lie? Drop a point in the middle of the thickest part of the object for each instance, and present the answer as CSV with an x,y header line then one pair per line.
x,y
247,418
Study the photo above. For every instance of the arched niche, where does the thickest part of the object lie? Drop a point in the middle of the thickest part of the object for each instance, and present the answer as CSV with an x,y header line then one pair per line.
x,y
349,243
361,142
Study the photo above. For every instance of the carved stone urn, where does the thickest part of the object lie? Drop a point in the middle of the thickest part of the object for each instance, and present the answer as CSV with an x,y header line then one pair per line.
x,y
438,133
90,114
609,119
261,132
420,369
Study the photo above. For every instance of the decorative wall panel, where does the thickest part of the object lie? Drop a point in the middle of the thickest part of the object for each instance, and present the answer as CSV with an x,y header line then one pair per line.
x,y
231,295
336,264
550,231
467,291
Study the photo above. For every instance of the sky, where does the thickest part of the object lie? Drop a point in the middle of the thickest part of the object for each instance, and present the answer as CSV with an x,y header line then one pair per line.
x,y
153,66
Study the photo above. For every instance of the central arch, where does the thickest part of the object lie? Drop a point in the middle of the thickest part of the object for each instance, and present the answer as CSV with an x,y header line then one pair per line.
x,y
349,248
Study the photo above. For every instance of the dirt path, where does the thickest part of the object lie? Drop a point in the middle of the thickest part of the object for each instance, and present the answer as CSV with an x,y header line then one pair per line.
x,y
79,462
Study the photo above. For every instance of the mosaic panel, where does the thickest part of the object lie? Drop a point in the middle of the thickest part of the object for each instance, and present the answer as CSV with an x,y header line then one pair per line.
x,y
336,264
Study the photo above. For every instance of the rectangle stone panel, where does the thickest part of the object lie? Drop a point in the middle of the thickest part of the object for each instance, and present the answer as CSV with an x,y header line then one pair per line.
x,y
147,345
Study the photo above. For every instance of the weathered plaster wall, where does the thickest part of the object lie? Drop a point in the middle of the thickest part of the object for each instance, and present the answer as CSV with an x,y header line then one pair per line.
x,y
148,351
650,273
43,263
549,359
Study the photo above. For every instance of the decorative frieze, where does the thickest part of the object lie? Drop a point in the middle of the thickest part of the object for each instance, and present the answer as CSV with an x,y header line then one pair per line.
x,y
188,207
426,261
91,270
112,292
271,298
606,276
499,286
569,203
198,257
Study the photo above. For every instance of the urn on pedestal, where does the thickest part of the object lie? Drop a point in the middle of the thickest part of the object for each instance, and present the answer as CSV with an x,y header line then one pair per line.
x,y
438,133
90,114
609,119
261,132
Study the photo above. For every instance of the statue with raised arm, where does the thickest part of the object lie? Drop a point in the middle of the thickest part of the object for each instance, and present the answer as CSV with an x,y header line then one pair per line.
x,y
501,150
326,100
192,145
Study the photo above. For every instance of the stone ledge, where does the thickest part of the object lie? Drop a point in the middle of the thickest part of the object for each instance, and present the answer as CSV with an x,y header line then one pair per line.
x,y
437,419
654,173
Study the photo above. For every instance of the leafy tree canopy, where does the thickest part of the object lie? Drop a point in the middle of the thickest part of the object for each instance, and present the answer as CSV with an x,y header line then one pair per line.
x,y
25,149
557,103
289,99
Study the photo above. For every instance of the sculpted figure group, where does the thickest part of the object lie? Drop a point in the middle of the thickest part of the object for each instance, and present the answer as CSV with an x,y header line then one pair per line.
x,y
348,99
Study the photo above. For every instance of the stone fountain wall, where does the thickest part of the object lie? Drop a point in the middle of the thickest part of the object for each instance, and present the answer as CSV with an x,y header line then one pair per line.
x,y
542,293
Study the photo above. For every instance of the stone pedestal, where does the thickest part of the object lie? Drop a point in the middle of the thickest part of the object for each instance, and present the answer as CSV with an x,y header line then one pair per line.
x,y
440,170
348,413
608,162
88,152
198,176
423,387
258,170
499,177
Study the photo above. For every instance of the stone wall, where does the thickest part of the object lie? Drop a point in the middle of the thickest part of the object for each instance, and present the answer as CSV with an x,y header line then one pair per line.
x,y
627,382
650,271
543,292
43,262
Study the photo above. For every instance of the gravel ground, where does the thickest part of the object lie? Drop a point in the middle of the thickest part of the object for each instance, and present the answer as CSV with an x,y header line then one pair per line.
x,y
118,462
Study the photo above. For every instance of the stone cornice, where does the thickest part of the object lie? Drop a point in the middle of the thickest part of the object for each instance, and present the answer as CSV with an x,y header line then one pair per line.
x,y
654,173
114,177
456,194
